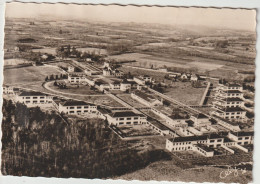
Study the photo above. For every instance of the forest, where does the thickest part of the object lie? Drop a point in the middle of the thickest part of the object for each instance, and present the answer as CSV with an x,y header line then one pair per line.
x,y
43,143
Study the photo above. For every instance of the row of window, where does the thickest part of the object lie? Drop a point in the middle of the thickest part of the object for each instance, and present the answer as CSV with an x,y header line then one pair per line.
x,y
80,107
135,118
34,97
128,123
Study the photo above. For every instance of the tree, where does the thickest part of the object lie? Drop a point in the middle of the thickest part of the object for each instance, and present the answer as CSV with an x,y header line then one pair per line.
x,y
46,78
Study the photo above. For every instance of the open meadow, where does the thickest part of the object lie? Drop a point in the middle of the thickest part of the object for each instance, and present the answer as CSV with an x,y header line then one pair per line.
x,y
30,74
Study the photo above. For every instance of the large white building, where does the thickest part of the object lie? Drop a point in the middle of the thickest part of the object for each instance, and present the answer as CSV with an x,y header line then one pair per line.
x,y
73,107
201,144
242,138
228,103
34,98
125,118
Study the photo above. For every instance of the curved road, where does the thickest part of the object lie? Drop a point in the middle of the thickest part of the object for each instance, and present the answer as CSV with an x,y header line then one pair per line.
x,y
46,85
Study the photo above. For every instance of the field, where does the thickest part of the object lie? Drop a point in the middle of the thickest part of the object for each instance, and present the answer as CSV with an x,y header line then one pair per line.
x,y
46,50
181,90
90,49
168,171
31,74
14,61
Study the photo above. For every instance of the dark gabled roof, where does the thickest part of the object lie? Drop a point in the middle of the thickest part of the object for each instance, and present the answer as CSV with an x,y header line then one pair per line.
x,y
226,139
123,114
233,91
160,125
75,103
214,136
32,93
200,116
103,110
190,138
242,134
233,85
144,96
205,148
233,109
233,100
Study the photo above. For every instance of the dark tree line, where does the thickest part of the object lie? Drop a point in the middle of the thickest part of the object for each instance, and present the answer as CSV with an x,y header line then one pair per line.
x,y
37,143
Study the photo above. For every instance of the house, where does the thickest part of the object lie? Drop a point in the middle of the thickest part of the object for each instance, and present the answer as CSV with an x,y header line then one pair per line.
x,y
145,98
185,76
195,77
125,118
90,80
228,102
230,113
125,85
76,79
71,69
102,85
242,138
73,107
146,78
161,128
34,98
193,143
139,81
115,85
107,72
200,120
8,89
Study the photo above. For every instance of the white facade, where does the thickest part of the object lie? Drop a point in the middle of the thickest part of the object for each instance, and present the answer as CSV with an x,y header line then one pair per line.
x,y
34,98
77,108
125,118
139,81
242,138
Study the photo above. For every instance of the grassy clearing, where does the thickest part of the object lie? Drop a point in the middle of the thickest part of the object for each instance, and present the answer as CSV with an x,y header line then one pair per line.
x,y
28,74
181,90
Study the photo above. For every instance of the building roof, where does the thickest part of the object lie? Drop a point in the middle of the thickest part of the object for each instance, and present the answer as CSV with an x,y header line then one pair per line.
x,y
75,103
144,96
233,109
233,85
214,136
233,99
226,139
205,148
32,93
232,91
190,138
200,116
123,114
242,134
104,111
160,125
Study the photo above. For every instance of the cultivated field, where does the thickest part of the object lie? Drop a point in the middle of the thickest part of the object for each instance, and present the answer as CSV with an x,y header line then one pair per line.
x,y
31,74
185,93
15,61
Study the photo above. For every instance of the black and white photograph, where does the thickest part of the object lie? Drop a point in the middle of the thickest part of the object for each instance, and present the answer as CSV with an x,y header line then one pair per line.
x,y
128,92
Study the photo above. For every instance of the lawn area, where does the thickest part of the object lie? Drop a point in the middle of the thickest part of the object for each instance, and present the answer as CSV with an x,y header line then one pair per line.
x,y
137,130
28,74
185,93
75,89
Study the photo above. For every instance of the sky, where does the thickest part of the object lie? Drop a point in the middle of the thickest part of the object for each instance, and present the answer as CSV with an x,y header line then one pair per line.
x,y
243,19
